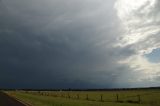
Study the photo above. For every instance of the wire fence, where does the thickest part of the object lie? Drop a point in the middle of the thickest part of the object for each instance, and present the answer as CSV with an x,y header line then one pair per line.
x,y
138,98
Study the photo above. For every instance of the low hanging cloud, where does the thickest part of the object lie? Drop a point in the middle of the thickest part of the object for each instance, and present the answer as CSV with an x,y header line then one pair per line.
x,y
76,44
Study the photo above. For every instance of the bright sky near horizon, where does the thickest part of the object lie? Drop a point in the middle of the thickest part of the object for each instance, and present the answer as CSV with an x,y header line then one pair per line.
x,y
79,43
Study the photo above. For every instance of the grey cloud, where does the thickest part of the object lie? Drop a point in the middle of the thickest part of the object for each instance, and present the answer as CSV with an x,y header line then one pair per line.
x,y
61,44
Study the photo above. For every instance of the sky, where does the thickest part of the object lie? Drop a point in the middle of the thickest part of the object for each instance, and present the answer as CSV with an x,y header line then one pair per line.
x,y
79,43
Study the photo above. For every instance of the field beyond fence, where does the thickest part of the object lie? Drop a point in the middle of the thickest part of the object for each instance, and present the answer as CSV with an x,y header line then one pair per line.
x,y
101,98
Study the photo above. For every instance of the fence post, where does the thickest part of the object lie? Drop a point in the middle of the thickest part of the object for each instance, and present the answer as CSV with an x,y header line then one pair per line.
x,y
87,97
68,96
117,97
77,96
101,97
139,98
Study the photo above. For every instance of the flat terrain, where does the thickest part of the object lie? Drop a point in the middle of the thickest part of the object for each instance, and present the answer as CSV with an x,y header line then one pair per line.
x,y
5,100
89,98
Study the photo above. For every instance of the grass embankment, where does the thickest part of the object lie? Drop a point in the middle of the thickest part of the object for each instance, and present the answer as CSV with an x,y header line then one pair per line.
x,y
72,98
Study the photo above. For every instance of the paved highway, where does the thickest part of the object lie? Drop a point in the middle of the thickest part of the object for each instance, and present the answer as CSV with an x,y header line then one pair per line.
x,y
5,100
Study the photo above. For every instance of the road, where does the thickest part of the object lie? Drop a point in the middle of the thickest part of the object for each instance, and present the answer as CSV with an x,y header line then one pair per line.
x,y
5,100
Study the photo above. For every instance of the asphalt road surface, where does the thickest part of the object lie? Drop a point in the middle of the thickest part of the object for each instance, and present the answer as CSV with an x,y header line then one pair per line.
x,y
5,100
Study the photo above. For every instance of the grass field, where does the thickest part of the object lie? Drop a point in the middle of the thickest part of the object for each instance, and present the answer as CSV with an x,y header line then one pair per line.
x,y
89,98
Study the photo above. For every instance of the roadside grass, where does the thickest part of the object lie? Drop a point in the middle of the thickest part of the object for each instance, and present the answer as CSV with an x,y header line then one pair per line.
x,y
60,98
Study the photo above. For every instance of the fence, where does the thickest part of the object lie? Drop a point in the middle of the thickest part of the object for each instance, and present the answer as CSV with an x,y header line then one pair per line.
x,y
88,97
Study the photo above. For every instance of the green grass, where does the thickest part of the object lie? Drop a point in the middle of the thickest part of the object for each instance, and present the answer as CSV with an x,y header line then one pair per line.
x,y
70,98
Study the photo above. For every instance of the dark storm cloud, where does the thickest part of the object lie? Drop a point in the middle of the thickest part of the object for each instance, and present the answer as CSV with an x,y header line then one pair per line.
x,y
60,44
